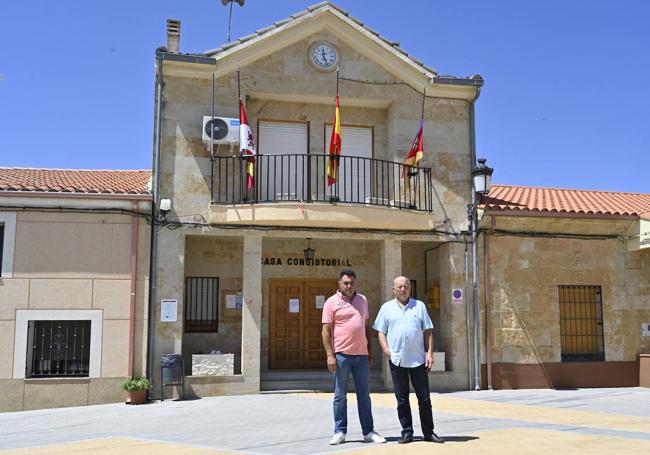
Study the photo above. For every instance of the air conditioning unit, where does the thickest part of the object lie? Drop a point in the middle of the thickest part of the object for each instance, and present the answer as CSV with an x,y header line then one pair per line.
x,y
224,130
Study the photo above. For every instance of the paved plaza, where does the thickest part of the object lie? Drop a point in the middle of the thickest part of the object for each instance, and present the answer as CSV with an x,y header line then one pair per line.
x,y
613,421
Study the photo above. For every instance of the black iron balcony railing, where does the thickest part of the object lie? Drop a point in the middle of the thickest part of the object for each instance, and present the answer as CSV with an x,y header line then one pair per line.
x,y
303,178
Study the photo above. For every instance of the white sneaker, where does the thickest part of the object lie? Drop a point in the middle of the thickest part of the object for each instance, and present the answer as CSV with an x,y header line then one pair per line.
x,y
373,436
338,438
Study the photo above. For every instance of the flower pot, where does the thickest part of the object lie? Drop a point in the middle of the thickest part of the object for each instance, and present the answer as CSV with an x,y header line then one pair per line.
x,y
136,396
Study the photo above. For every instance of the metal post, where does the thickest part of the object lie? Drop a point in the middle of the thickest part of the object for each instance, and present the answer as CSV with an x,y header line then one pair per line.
x,y
477,351
468,311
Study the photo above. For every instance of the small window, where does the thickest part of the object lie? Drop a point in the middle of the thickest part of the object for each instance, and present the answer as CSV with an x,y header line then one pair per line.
x,y
7,238
581,323
2,243
201,304
58,349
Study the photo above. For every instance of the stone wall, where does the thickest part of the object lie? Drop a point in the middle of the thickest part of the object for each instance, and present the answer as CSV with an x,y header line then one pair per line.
x,y
526,270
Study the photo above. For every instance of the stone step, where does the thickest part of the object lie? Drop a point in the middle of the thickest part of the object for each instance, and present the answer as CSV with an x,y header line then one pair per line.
x,y
311,380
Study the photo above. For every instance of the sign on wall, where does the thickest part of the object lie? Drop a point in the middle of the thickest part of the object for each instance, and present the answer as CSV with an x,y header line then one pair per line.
x,y
456,296
168,310
298,261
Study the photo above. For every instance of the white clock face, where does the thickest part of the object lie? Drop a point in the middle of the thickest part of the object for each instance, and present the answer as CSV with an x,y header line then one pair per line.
x,y
324,56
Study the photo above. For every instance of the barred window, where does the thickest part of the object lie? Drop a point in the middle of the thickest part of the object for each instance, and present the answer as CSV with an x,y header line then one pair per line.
x,y
581,323
201,304
58,349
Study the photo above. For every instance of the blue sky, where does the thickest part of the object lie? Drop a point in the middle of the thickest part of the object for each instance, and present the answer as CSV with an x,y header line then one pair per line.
x,y
565,102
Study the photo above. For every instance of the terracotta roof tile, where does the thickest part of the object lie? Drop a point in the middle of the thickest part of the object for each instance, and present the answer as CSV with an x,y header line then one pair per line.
x,y
75,181
553,200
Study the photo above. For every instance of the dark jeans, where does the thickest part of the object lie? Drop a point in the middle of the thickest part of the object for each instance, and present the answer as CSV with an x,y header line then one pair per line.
x,y
420,380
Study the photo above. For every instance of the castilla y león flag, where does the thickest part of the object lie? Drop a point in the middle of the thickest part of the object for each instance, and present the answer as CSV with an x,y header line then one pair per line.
x,y
415,154
335,148
246,145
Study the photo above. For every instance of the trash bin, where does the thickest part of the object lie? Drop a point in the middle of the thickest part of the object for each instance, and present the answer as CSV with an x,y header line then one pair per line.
x,y
172,372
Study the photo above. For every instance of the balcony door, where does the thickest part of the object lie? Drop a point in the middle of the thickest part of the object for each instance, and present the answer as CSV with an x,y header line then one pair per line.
x,y
282,169
295,322
354,174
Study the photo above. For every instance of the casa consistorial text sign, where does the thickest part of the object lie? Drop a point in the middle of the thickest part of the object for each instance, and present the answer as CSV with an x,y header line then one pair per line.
x,y
298,261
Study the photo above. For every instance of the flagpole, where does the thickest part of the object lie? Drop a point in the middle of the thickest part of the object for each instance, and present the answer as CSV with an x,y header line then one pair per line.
x,y
238,85
212,144
241,156
337,81
417,165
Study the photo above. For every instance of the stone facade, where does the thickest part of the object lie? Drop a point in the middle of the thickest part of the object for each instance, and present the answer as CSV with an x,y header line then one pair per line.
x,y
282,86
528,258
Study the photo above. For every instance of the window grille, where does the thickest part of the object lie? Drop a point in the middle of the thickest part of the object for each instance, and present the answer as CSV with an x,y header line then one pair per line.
x,y
581,323
201,304
58,349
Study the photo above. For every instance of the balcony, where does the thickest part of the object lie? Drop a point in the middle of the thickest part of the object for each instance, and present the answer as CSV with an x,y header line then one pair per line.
x,y
302,178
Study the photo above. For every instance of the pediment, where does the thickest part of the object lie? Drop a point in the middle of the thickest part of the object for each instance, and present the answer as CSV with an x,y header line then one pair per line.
x,y
328,19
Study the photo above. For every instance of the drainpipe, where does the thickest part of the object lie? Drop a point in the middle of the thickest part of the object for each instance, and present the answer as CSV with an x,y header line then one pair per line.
x,y
486,288
153,248
474,227
134,277
468,311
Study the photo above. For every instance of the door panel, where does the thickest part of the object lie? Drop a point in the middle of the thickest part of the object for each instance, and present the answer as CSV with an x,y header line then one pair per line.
x,y
285,330
295,338
314,353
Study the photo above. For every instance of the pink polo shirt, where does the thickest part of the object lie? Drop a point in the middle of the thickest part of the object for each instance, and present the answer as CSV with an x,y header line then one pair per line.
x,y
348,319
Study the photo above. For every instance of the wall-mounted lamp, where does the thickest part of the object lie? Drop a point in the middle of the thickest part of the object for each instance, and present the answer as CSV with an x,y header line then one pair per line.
x,y
164,208
482,177
309,251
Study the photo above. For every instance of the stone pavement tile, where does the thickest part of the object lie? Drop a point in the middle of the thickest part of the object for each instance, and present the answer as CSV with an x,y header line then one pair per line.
x,y
517,441
616,400
521,412
116,446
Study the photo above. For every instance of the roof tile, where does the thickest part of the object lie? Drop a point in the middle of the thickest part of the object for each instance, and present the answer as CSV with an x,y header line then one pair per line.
x,y
75,181
553,200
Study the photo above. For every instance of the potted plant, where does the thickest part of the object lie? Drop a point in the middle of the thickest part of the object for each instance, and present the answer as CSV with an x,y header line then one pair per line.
x,y
136,390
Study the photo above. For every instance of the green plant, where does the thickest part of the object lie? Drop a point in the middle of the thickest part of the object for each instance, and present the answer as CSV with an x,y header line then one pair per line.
x,y
136,383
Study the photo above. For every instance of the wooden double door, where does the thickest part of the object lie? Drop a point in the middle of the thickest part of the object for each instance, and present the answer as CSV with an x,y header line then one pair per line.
x,y
295,322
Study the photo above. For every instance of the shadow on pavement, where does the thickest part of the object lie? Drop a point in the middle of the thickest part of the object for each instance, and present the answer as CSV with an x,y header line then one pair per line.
x,y
459,438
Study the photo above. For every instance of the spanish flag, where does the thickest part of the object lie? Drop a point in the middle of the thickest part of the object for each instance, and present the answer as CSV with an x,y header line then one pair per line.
x,y
415,154
246,145
335,148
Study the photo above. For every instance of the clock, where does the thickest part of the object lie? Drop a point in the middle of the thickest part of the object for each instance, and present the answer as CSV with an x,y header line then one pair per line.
x,y
323,56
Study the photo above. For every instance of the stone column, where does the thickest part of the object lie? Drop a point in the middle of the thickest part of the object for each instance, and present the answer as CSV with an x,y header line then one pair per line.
x,y
252,311
168,335
391,266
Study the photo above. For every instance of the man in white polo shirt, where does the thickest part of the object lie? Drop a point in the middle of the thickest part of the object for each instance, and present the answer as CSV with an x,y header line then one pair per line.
x,y
404,326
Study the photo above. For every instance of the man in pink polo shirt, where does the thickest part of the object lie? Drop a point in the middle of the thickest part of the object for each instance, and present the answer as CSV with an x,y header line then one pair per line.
x,y
345,318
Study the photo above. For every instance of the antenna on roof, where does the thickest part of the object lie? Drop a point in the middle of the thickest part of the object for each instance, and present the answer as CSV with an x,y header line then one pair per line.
x,y
225,2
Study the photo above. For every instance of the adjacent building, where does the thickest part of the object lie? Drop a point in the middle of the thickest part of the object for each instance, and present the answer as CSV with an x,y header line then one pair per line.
x,y
73,290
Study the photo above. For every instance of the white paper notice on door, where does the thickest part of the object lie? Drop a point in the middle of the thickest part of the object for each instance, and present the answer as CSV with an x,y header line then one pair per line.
x,y
320,301
294,306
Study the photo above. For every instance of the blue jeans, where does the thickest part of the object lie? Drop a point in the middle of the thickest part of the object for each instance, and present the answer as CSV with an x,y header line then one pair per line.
x,y
358,366
420,380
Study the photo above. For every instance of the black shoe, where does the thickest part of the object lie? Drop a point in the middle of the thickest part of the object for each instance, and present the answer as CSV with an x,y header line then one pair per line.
x,y
434,438
405,439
